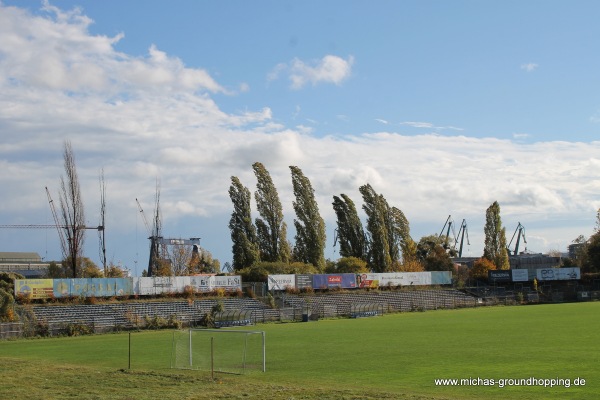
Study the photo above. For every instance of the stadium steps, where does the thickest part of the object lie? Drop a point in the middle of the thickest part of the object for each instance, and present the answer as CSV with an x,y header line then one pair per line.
x,y
390,301
130,314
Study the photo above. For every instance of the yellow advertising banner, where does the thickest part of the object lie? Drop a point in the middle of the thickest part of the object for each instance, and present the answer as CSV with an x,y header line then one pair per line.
x,y
34,288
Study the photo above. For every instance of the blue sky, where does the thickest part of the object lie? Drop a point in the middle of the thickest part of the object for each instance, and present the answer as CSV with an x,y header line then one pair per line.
x,y
443,106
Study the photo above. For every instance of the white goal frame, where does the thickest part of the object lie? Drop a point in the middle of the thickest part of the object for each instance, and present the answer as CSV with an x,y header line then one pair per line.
x,y
200,344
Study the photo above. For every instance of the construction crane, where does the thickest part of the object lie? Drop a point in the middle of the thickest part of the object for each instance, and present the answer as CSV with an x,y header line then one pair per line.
x,y
157,242
461,233
57,225
519,232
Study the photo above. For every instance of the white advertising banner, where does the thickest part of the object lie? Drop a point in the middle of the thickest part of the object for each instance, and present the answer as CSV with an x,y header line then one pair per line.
x,y
417,278
558,274
201,283
226,282
405,279
520,275
280,282
151,286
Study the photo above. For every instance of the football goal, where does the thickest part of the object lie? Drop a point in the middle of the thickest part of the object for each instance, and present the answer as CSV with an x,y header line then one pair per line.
x,y
229,351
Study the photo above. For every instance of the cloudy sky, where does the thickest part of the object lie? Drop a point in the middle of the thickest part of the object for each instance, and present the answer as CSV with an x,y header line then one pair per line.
x,y
442,106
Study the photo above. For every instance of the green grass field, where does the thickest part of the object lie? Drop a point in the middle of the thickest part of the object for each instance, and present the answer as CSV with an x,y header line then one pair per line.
x,y
397,356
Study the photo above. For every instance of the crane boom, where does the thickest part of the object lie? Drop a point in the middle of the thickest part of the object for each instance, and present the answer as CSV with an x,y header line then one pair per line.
x,y
144,217
61,235
520,231
33,226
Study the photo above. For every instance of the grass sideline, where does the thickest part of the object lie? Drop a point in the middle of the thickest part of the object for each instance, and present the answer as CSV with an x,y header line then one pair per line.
x,y
397,356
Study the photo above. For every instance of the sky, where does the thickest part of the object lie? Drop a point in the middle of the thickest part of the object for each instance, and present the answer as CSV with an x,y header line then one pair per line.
x,y
442,106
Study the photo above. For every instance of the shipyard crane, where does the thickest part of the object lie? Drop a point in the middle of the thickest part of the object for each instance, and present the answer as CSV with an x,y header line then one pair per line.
x,y
157,242
450,224
462,231
519,232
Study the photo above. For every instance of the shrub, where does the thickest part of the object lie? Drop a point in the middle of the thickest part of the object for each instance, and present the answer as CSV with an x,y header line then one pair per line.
x,y
351,265
78,329
189,292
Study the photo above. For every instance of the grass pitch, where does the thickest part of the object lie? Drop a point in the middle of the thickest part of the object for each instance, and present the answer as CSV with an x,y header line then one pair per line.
x,y
397,356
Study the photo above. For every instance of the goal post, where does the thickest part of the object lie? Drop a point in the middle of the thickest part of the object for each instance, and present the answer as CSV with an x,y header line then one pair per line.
x,y
232,351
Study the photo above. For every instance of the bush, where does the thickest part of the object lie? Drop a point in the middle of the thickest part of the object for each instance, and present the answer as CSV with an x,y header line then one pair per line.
x,y
6,304
155,322
351,265
259,271
78,330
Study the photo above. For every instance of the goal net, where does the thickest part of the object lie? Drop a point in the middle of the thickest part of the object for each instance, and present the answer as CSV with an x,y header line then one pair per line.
x,y
219,350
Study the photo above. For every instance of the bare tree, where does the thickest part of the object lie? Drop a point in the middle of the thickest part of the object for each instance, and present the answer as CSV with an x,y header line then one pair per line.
x,y
71,205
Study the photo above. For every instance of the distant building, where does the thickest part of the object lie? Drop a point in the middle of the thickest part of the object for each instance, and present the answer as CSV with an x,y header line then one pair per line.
x,y
533,262
575,249
30,265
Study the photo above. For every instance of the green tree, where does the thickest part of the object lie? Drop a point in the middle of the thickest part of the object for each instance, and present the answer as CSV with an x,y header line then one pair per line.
x,y
271,229
243,232
495,238
379,259
114,271
310,226
57,271
203,262
432,254
350,265
591,262
259,271
401,227
350,233
89,269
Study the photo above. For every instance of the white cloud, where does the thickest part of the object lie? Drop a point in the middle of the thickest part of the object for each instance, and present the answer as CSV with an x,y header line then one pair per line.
x,y
529,67
58,53
329,69
418,124
383,121
175,131
520,136
428,125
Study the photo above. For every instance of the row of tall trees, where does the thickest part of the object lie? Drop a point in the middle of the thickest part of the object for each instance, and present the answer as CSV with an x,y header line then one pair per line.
x,y
265,239
384,244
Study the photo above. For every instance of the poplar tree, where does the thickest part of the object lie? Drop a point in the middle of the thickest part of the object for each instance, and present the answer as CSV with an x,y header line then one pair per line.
x,y
270,228
495,238
408,247
72,214
377,227
310,227
350,232
243,233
